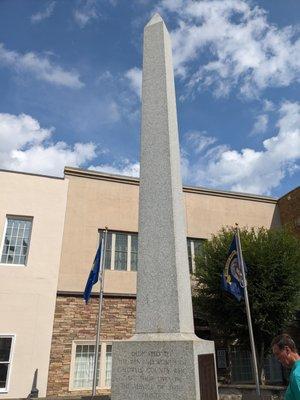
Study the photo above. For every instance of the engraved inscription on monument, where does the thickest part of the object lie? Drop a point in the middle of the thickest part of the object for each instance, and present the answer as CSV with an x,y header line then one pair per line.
x,y
151,371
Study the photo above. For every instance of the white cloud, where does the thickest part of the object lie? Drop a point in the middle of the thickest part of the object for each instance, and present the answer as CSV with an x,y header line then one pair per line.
x,y
18,131
134,75
105,76
50,160
240,48
86,13
125,91
25,146
41,15
113,111
184,165
199,140
268,106
125,167
260,124
249,170
40,67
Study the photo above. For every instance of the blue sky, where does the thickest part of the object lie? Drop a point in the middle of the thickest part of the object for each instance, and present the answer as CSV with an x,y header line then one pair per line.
x,y
70,78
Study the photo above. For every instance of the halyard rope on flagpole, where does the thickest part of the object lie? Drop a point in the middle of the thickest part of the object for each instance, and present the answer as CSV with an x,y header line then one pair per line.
x,y
101,282
241,263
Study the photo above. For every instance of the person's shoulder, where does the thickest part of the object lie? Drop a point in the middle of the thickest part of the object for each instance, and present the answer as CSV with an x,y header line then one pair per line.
x,y
297,367
296,371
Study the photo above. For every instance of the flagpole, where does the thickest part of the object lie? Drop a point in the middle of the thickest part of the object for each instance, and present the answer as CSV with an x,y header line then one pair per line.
x,y
101,282
241,263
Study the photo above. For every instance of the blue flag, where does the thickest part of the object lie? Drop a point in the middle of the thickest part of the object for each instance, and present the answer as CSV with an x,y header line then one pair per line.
x,y
232,277
93,276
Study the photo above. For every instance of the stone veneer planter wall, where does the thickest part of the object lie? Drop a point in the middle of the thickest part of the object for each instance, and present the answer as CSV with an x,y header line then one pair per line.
x,y
247,392
74,320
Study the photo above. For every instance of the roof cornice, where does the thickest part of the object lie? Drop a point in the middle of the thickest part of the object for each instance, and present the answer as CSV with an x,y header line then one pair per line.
x,y
90,174
32,174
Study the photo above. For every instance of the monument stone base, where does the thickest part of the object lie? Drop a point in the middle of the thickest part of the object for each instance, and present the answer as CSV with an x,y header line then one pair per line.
x,y
164,367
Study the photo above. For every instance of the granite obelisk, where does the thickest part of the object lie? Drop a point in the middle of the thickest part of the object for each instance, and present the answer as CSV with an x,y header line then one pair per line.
x,y
161,361
163,259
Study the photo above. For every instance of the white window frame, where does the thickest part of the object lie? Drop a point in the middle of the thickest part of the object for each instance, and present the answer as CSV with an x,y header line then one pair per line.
x,y
192,241
113,248
193,255
25,218
102,364
9,369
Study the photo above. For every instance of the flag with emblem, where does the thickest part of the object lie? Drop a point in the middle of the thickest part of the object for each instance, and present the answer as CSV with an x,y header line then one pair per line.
x,y
232,277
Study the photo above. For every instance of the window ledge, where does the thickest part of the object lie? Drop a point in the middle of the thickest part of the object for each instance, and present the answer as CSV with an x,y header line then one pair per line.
x,y
119,270
86,389
12,265
251,386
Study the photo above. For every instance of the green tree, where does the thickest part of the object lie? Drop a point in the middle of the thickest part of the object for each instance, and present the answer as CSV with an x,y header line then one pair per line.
x,y
273,262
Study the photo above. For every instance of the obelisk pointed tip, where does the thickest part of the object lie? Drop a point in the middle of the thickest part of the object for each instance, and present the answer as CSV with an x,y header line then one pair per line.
x,y
155,19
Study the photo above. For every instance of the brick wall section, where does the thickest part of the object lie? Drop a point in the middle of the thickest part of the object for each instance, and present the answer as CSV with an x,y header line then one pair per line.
x,y
74,320
289,208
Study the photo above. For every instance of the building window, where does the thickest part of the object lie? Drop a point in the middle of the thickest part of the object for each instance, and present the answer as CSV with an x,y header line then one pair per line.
x,y
221,358
241,361
273,370
6,342
241,365
82,368
121,251
108,359
16,240
194,248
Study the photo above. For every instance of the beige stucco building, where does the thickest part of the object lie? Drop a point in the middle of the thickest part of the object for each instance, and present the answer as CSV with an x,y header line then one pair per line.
x,y
32,211
97,200
50,230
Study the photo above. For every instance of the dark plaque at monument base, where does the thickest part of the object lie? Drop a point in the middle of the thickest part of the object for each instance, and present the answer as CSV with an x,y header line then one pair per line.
x,y
207,377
